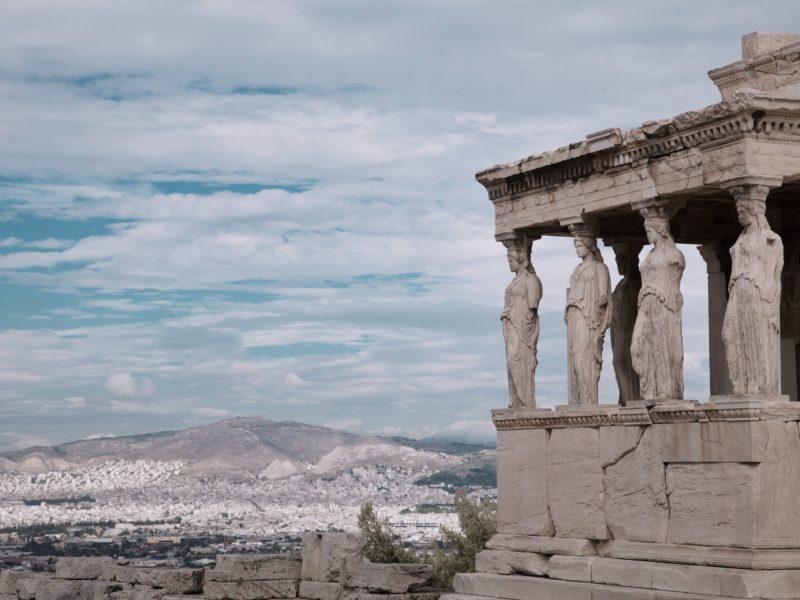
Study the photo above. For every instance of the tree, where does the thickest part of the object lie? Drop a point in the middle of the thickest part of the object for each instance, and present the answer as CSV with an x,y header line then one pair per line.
x,y
478,523
383,544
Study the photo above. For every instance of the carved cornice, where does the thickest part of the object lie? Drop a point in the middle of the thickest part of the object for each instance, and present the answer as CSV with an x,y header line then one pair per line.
x,y
719,124
722,409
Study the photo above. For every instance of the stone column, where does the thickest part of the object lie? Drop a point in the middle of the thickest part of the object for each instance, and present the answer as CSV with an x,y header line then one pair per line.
x,y
718,266
751,328
624,302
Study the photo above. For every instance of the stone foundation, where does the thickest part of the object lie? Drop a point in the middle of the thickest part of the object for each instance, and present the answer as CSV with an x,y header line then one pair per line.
x,y
679,501
331,567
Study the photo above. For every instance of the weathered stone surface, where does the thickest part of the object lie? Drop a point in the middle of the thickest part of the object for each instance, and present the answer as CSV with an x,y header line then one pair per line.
x,y
173,581
636,505
571,568
99,590
622,573
776,519
320,590
82,567
360,595
616,442
716,441
389,578
248,567
330,556
8,597
51,589
712,504
542,545
521,474
141,592
8,581
575,484
250,590
507,562
27,584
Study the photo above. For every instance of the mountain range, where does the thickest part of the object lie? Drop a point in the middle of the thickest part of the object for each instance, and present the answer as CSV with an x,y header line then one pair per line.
x,y
247,447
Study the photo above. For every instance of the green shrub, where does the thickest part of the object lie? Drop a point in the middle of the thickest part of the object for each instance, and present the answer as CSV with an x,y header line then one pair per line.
x,y
478,523
383,545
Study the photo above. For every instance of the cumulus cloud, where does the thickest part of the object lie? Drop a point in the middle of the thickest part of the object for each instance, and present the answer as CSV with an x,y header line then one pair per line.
x,y
128,386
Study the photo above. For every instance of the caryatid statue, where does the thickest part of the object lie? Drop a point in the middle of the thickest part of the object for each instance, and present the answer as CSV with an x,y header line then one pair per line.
x,y
624,302
751,329
657,344
520,318
588,315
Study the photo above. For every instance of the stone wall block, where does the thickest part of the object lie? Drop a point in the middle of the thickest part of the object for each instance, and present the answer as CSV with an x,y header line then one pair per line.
x,y
331,556
320,590
507,562
712,504
361,595
98,590
389,578
635,492
715,441
575,484
51,589
521,474
26,584
571,568
82,567
139,592
250,567
251,590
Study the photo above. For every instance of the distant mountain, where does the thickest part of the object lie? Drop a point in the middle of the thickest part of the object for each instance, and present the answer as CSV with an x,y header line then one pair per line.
x,y
244,448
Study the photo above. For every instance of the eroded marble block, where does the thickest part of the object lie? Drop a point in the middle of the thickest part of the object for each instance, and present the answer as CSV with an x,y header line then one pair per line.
x,y
636,504
712,504
575,484
716,441
507,562
777,521
521,474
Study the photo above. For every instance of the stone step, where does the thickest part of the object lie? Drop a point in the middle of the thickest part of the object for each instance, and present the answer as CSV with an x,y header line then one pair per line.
x,y
521,587
456,596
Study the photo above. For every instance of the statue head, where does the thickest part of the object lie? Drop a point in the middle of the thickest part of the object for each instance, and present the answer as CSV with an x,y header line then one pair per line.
x,y
656,228
627,258
519,254
586,245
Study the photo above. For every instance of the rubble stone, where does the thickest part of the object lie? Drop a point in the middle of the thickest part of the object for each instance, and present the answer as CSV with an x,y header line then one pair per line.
x,y
389,578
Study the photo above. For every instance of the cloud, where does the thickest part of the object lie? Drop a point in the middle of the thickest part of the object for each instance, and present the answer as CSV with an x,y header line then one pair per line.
x,y
351,425
128,386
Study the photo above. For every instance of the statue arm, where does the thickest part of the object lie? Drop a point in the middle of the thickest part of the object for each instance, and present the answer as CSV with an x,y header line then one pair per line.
x,y
534,288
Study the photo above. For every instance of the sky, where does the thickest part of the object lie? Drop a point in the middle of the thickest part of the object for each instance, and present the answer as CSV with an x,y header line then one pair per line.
x,y
212,209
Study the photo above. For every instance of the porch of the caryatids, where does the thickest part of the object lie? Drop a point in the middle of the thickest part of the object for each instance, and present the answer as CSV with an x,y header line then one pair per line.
x,y
657,343
624,302
520,319
751,328
587,315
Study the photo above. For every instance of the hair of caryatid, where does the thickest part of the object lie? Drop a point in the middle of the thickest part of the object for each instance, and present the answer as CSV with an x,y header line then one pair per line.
x,y
757,209
660,224
591,245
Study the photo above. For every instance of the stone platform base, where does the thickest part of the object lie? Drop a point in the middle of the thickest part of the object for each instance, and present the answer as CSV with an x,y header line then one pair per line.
x,y
541,568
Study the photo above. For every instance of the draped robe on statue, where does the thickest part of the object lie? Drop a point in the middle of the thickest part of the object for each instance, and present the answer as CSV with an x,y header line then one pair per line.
x,y
587,322
521,333
751,329
624,301
657,346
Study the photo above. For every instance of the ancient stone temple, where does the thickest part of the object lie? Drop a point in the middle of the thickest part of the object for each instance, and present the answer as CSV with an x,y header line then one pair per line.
x,y
651,496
